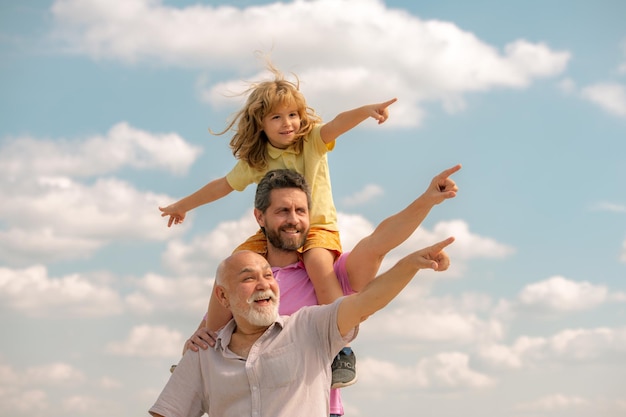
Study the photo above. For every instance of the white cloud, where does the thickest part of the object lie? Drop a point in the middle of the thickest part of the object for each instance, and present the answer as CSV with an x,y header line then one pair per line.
x,y
202,255
558,294
109,383
21,247
147,341
446,370
14,401
157,293
51,222
32,292
122,146
622,67
467,246
464,320
352,228
571,345
609,96
623,255
53,374
555,402
20,392
443,62
434,326
587,344
368,193
610,207
52,216
567,86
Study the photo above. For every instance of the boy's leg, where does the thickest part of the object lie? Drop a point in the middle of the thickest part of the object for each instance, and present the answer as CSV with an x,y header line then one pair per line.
x,y
319,265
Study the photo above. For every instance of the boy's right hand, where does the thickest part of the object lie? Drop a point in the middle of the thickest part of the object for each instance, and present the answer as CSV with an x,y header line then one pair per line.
x,y
176,216
380,111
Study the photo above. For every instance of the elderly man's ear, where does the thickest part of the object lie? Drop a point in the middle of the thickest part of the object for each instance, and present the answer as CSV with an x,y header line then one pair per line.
x,y
220,294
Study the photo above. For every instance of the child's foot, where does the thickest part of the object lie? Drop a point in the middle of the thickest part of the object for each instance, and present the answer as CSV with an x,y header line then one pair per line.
x,y
344,368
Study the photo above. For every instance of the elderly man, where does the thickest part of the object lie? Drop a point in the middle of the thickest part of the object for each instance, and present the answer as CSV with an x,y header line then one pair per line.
x,y
281,209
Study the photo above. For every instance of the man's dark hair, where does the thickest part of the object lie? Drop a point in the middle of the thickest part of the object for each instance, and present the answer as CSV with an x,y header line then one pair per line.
x,y
275,180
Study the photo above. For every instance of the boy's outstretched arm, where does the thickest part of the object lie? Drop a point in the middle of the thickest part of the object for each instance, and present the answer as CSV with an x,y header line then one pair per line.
x,y
366,257
212,191
378,293
349,119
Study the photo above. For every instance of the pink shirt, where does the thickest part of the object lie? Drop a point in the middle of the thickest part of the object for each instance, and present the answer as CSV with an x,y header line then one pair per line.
x,y
296,291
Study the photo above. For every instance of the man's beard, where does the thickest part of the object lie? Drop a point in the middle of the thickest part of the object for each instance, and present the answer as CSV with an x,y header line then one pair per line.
x,y
291,243
258,316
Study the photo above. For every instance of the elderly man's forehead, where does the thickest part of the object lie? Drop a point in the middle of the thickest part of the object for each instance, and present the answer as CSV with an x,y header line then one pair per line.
x,y
247,261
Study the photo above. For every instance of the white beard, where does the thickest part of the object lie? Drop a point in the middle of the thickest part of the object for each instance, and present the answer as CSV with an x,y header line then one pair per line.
x,y
259,316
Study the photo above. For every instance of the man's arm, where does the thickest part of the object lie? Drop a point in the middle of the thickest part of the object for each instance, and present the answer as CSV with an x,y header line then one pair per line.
x,y
357,307
366,257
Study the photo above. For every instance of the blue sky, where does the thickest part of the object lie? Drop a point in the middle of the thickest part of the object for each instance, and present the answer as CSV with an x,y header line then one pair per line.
x,y
105,110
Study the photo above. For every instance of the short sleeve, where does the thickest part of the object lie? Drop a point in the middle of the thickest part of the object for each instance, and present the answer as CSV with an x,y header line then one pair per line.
x,y
241,176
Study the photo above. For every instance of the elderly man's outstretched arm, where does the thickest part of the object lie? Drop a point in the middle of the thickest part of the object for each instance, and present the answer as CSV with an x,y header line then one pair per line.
x,y
378,293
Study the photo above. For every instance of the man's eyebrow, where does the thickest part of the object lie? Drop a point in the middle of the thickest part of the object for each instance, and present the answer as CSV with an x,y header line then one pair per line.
x,y
247,269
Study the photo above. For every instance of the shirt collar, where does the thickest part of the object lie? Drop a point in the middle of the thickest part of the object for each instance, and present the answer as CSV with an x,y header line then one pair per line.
x,y
275,153
224,335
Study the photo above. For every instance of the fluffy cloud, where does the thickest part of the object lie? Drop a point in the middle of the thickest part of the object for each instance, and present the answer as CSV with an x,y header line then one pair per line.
x,y
555,402
558,294
122,146
202,255
368,193
610,207
54,216
445,62
182,294
461,321
467,246
21,391
32,292
147,341
446,370
568,345
609,96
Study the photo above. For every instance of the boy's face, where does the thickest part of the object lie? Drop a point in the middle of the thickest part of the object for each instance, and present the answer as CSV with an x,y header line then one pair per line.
x,y
281,125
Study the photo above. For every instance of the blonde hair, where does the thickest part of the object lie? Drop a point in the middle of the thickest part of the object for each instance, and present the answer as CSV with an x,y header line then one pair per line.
x,y
249,141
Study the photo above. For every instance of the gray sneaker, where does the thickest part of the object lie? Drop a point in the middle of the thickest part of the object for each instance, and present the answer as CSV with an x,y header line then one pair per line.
x,y
344,370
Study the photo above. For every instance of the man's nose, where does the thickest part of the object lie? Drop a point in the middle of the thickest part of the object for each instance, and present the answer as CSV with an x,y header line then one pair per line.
x,y
263,284
292,216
